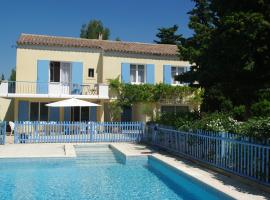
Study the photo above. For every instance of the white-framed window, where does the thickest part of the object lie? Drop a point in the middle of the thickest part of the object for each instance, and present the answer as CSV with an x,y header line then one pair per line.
x,y
176,71
137,73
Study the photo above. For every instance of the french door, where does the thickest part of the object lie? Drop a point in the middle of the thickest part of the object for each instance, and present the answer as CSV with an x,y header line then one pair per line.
x,y
60,78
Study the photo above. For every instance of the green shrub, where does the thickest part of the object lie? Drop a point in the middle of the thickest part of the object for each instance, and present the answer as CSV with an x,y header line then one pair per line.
x,y
264,94
226,105
181,121
239,112
261,108
256,127
217,122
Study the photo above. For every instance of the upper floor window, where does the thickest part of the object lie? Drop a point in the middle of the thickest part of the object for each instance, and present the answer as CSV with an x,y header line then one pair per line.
x,y
60,72
137,73
176,71
90,72
55,72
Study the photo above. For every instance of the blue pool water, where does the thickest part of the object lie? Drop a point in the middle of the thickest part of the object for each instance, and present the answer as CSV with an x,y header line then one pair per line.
x,y
97,173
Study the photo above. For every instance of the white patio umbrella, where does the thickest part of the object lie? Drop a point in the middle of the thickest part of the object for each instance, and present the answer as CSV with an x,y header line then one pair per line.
x,y
72,103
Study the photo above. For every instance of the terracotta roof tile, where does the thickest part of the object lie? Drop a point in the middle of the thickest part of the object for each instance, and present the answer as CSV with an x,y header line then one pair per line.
x,y
106,45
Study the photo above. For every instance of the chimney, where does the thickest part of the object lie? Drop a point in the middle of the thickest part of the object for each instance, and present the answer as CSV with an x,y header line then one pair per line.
x,y
100,36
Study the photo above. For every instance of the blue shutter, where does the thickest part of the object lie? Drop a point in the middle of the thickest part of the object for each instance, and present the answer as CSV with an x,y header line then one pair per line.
x,y
167,74
150,73
77,77
54,114
67,114
42,76
125,73
23,111
93,114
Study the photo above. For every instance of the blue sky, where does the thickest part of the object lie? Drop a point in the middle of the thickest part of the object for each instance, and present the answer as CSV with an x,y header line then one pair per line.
x,y
131,20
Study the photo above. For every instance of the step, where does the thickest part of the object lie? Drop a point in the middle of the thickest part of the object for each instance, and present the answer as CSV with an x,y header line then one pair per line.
x,y
94,155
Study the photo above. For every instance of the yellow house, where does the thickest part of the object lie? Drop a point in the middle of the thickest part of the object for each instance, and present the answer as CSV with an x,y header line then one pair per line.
x,y
50,68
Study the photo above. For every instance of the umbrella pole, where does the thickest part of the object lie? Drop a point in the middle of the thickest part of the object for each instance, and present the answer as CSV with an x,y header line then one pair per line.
x,y
80,114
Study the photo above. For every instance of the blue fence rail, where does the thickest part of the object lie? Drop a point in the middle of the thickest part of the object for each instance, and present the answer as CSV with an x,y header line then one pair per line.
x,y
241,157
2,132
66,132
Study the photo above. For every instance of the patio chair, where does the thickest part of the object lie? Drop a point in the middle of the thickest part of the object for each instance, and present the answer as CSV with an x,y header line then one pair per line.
x,y
12,125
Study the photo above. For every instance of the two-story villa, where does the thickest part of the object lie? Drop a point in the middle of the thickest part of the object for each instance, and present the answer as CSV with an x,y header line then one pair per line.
x,y
51,68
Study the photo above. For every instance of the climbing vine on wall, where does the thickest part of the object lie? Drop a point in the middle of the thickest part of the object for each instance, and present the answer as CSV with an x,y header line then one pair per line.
x,y
129,94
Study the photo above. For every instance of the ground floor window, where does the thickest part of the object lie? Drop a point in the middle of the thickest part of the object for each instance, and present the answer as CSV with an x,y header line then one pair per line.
x,y
39,111
44,112
126,114
174,109
34,111
85,114
81,114
75,114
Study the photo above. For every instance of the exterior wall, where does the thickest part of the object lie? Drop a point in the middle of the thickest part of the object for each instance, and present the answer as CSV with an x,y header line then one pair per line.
x,y
112,64
6,109
107,65
26,65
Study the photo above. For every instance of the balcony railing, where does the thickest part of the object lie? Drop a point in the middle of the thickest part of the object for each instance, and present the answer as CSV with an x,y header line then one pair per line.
x,y
15,88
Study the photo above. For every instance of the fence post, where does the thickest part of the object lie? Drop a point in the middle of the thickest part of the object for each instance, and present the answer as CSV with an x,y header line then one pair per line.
x,y
91,131
143,132
4,139
2,132
15,133
223,145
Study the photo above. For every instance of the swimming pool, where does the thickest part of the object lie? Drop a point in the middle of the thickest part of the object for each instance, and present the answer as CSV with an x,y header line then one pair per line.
x,y
97,173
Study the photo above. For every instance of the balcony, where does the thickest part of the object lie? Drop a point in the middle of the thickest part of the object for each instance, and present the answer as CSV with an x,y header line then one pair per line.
x,y
11,89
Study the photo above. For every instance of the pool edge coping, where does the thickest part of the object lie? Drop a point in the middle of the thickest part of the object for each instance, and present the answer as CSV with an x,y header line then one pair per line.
x,y
170,161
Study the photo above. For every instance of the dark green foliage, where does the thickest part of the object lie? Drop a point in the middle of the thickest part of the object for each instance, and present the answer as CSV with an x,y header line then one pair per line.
x,y
2,78
117,39
12,75
257,127
261,109
239,112
218,122
93,29
264,94
168,36
181,121
231,49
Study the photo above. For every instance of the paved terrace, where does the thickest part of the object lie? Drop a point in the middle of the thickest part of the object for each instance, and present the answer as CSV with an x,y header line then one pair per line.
x,y
221,182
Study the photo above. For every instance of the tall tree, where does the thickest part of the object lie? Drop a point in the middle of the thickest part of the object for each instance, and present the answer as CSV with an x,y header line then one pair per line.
x,y
118,39
231,49
93,29
2,78
12,75
168,35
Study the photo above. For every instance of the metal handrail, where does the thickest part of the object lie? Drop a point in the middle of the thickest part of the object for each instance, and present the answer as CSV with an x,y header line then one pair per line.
x,y
36,87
